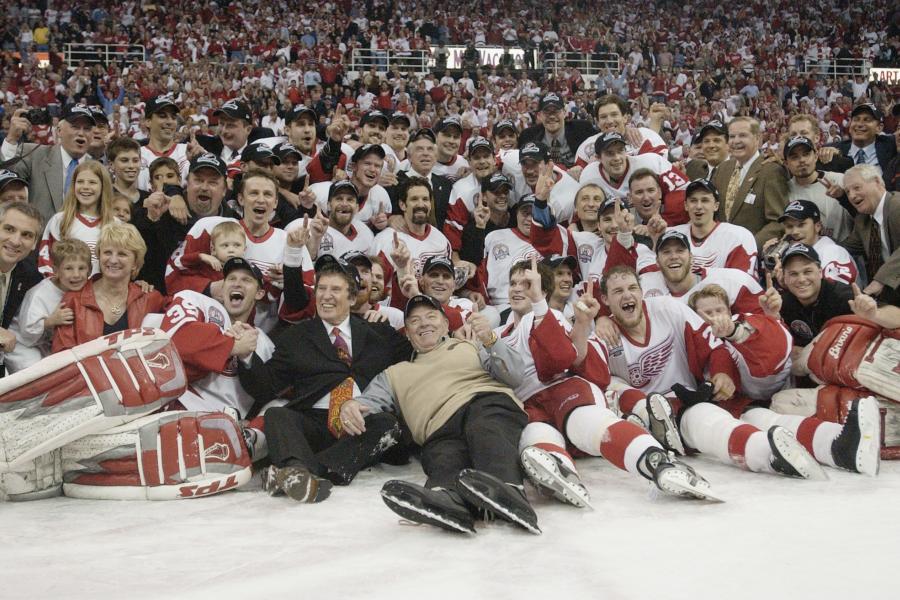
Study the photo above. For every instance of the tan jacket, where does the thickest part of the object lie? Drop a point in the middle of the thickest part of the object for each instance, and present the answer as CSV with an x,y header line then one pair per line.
x,y
760,199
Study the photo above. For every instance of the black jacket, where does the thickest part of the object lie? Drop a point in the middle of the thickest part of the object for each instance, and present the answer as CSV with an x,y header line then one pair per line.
x,y
576,131
306,362
885,150
805,322
24,276
441,187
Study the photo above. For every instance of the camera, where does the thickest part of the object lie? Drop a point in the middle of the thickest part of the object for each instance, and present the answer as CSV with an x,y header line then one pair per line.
x,y
771,256
38,116
170,189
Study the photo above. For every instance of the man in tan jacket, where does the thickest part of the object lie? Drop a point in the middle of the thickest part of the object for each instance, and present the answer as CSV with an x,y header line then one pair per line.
x,y
455,397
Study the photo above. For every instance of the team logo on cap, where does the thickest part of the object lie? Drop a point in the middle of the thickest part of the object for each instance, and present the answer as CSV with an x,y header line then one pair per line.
x,y
794,206
207,159
551,98
231,105
530,147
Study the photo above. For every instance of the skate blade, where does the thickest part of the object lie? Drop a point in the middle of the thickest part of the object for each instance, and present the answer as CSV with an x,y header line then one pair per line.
x,y
678,483
500,511
542,469
658,411
868,455
421,516
798,457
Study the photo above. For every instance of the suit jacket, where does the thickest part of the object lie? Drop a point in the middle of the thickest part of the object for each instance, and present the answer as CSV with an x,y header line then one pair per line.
x,y
760,200
441,187
697,169
576,131
885,150
858,243
24,276
41,166
306,362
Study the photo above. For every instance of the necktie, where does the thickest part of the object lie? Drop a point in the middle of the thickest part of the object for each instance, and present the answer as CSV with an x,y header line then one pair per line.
x,y
731,191
861,157
343,391
4,278
874,257
554,150
70,170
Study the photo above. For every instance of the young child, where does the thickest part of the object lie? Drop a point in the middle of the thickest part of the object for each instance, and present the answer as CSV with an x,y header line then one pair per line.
x,y
227,239
86,209
121,207
42,308
124,156
163,170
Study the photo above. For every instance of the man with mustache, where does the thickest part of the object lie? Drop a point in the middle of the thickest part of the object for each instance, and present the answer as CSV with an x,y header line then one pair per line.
x,y
365,170
341,232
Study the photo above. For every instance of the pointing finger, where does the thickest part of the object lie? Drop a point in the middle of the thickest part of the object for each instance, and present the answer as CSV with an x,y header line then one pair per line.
x,y
856,291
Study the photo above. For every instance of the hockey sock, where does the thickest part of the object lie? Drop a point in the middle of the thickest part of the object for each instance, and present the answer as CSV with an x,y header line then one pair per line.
x,y
549,439
712,430
598,431
814,434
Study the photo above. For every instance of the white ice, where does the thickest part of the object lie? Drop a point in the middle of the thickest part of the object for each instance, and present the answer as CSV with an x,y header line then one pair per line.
x,y
775,538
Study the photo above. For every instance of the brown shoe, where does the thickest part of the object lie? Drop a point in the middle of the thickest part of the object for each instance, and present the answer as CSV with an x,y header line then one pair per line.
x,y
301,485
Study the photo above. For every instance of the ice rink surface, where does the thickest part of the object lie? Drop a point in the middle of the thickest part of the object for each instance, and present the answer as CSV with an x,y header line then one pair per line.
x,y
775,538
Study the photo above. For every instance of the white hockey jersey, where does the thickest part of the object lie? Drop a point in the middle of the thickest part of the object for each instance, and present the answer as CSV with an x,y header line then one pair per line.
x,y
673,179
335,243
376,202
727,245
837,264
502,249
421,248
743,291
86,229
836,221
652,143
178,153
451,170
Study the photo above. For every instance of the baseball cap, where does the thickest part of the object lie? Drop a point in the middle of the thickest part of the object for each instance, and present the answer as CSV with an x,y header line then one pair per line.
x,y
715,126
285,149
422,299
534,151
869,108
801,210
399,115
77,111
100,117
327,262
796,141
448,122
479,142
236,263
611,203
7,177
209,161
374,115
505,124
299,110
158,103
672,234
526,200
608,139
567,260
366,150
438,262
341,186
235,109
355,257
550,99
496,182
800,249
701,184
258,153
423,132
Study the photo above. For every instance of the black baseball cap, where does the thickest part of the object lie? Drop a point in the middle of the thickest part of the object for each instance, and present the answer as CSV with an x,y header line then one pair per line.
x,y
258,153
534,151
496,182
366,150
423,132
610,202
235,109
422,299
800,249
399,115
550,99
796,141
341,186
567,260
608,139
327,262
284,149
100,117
209,161
298,111
448,122
479,142
869,108
77,111
159,103
236,263
438,262
355,257
526,200
672,234
801,210
701,184
504,124
7,177
374,115
715,126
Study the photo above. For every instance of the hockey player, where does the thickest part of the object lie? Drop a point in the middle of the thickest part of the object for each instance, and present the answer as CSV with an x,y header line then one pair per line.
x,y
466,193
562,381
161,114
365,170
449,163
611,113
713,243
344,232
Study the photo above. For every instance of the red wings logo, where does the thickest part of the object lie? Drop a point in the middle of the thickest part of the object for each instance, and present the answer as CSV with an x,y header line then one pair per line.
x,y
651,364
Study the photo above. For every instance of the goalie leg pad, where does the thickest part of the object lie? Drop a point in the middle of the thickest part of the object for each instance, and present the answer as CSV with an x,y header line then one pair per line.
x,y
164,456
838,350
38,479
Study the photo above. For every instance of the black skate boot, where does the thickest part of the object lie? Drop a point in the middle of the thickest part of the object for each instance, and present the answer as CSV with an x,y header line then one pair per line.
x,y
858,447
674,477
419,504
790,458
662,423
507,501
297,482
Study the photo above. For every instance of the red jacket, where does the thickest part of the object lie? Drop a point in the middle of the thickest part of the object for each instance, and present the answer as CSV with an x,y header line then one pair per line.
x,y
88,322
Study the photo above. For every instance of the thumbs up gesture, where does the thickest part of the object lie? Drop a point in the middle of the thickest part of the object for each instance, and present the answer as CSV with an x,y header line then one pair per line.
x,y
481,327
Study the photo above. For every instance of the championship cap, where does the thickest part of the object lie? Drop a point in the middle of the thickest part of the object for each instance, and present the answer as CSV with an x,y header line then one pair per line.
x,y
422,299
801,210
449,122
869,108
672,234
701,184
159,103
327,262
372,116
343,185
209,161
799,249
299,110
479,142
534,151
236,263
438,262
608,139
398,116
505,124
7,177
796,141
496,182
77,111
258,153
423,132
355,257
284,149
550,100
715,126
235,109
365,150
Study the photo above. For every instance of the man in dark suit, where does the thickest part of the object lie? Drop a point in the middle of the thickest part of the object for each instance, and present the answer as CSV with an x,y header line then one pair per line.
x,y
867,145
562,137
20,229
324,361
876,231
422,151
753,192
48,169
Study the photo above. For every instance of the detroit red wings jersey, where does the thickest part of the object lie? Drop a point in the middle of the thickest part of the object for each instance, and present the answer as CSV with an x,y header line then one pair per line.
x,y
678,349
335,243
86,229
463,196
764,359
562,195
421,248
178,153
837,264
651,143
377,201
670,179
196,324
502,249
727,245
743,291
451,170
590,250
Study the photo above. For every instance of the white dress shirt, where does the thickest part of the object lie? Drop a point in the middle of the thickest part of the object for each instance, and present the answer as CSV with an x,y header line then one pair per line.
x,y
871,155
344,328
878,215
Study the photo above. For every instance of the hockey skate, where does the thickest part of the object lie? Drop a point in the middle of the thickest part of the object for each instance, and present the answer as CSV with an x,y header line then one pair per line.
x,y
298,483
674,477
662,423
507,501
427,506
549,474
791,458
858,447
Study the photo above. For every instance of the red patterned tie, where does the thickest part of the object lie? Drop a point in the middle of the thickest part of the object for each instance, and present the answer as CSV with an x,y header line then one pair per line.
x,y
343,391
